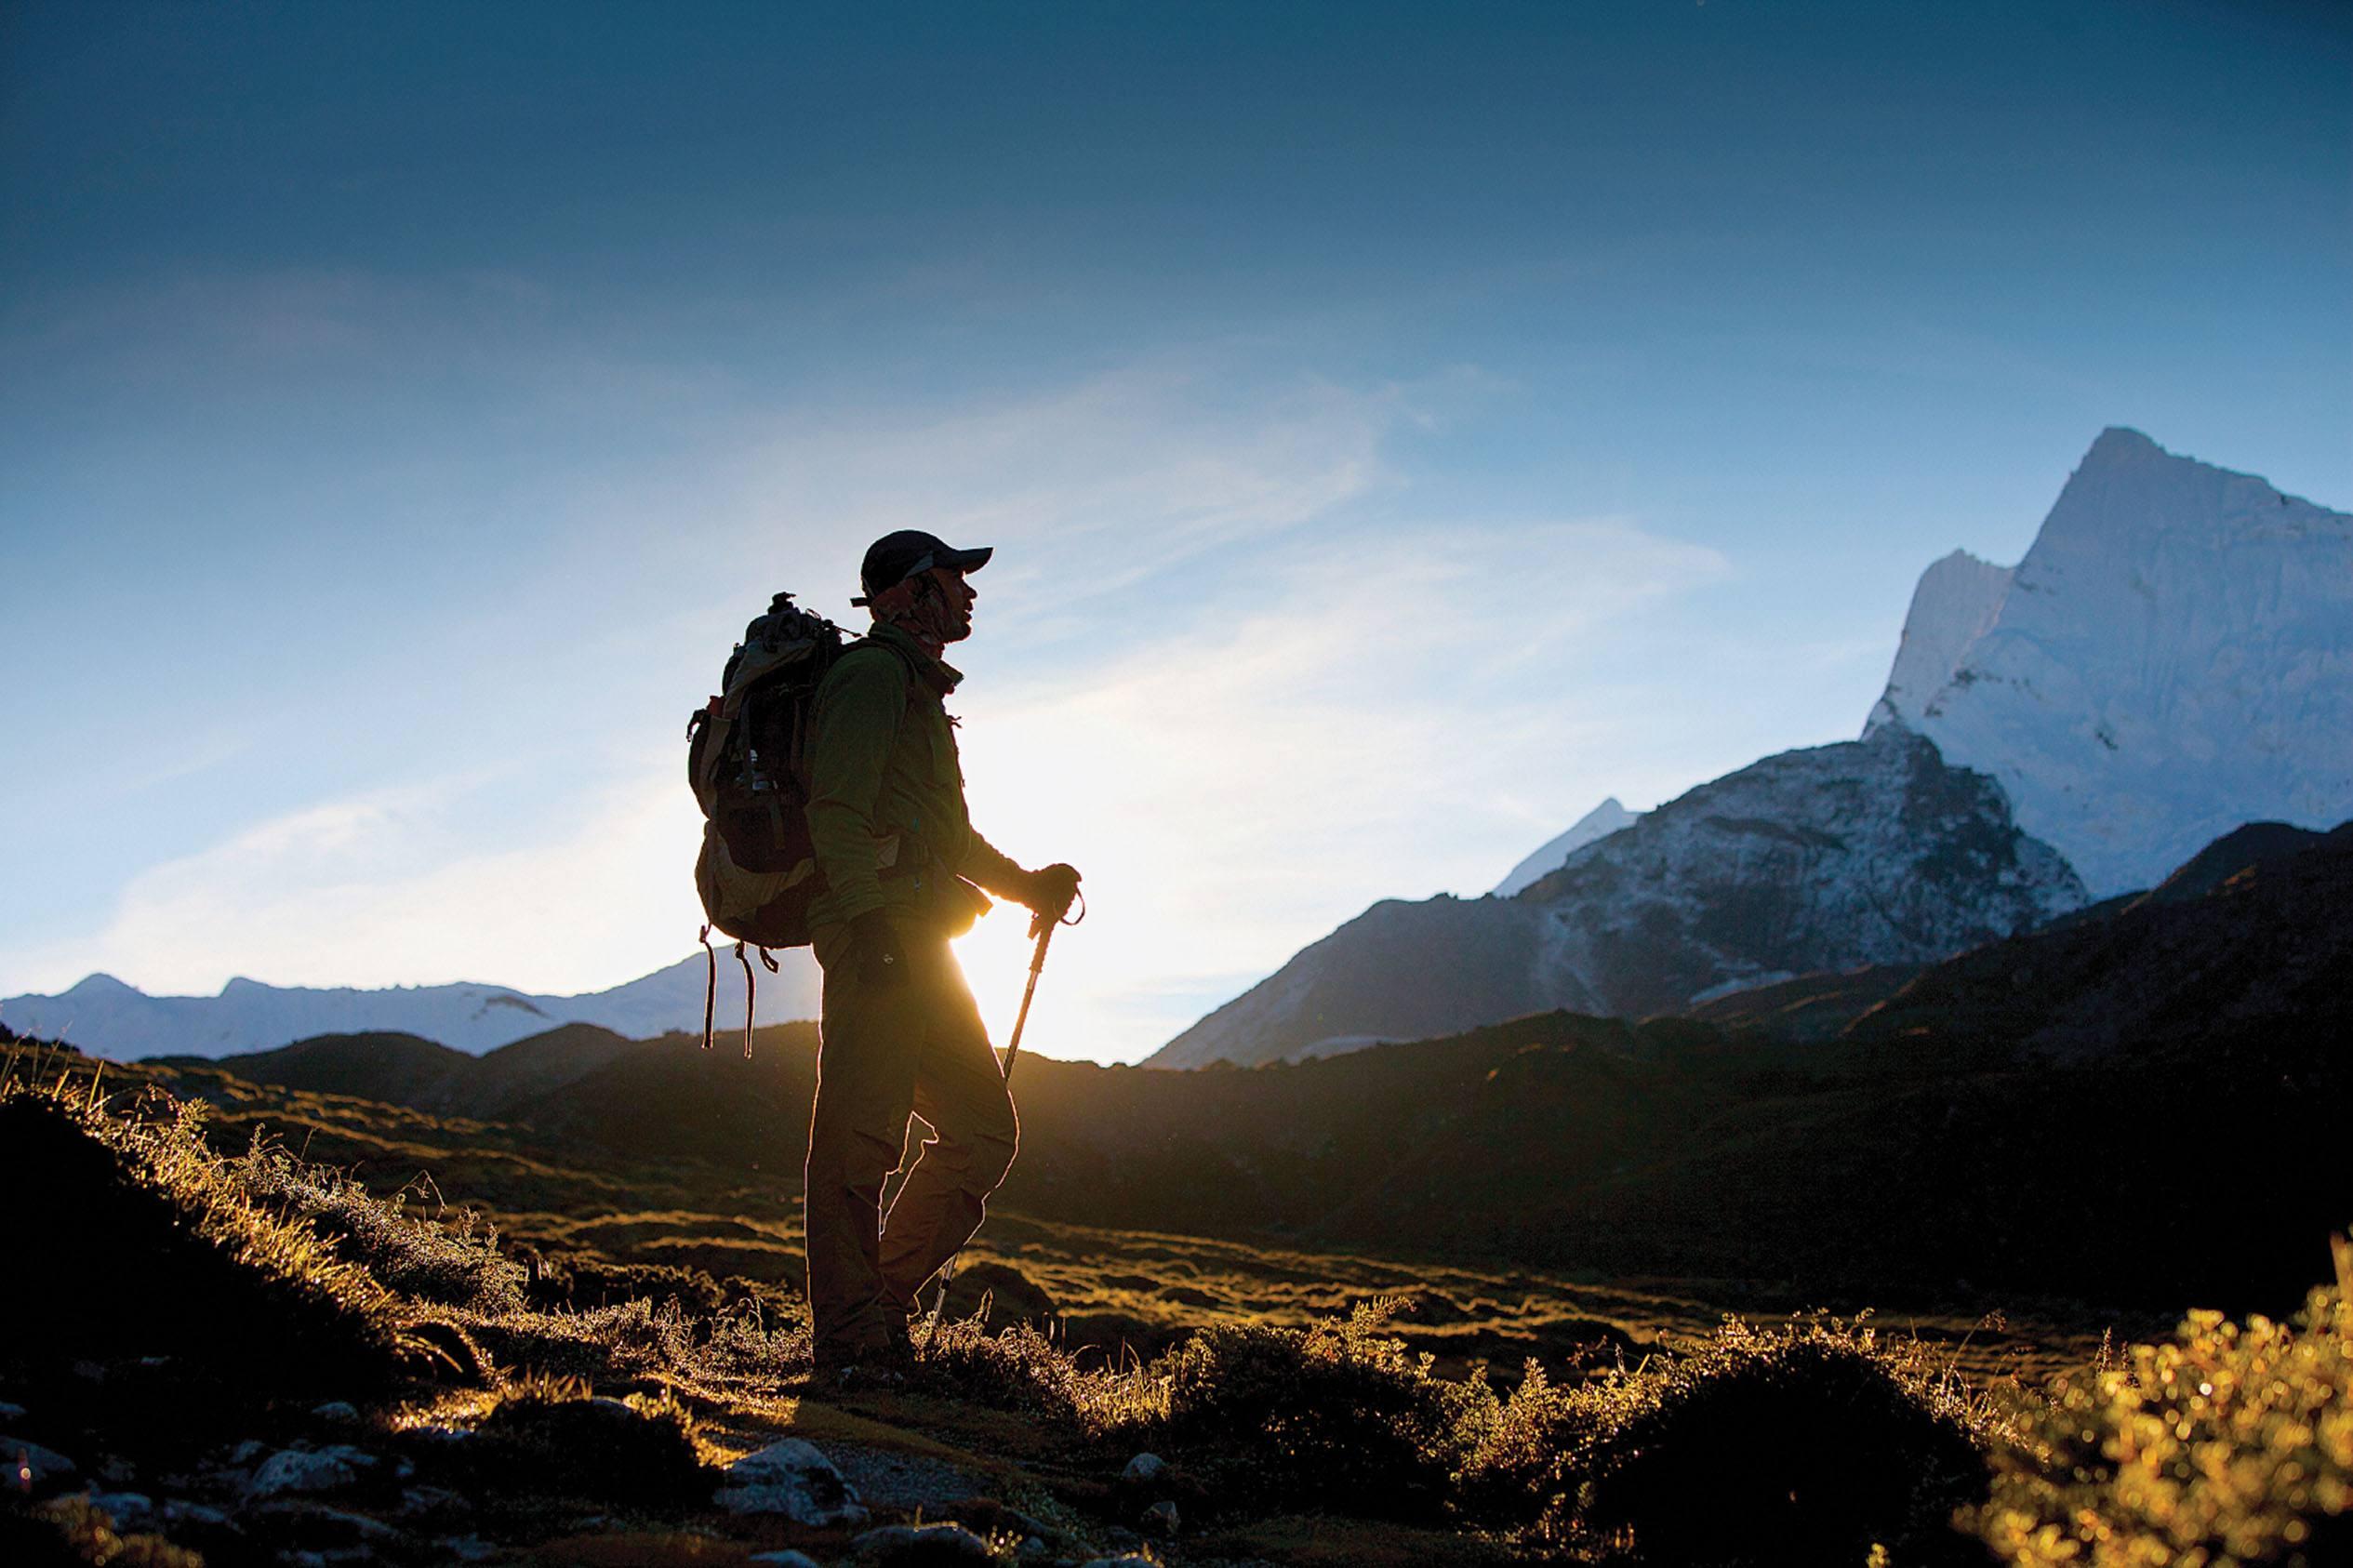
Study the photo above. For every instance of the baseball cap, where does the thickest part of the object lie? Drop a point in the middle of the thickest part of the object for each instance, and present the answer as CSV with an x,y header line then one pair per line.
x,y
894,558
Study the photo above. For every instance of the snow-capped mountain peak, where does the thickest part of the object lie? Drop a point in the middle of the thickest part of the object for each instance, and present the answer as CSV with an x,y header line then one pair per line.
x,y
1953,606
2168,660
1598,823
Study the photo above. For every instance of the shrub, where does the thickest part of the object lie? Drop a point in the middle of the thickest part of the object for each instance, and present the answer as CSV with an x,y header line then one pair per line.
x,y
456,1263
638,1339
554,1436
69,1532
1022,1368
2230,1443
1807,1444
1335,1416
1526,1462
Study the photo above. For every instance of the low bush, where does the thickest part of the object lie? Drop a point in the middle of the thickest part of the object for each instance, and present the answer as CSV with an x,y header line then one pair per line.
x,y
69,1532
2230,1443
1023,1369
744,1347
1803,1444
549,1436
1336,1416
454,1261
1528,1460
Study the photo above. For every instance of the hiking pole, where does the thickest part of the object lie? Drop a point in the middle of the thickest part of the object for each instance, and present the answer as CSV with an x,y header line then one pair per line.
x,y
1013,1050
1037,963
1045,928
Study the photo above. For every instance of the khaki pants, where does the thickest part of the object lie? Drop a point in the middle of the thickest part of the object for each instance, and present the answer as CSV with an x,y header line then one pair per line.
x,y
921,1048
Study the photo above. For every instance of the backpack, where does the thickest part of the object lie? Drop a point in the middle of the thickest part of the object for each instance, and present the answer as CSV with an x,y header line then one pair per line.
x,y
747,761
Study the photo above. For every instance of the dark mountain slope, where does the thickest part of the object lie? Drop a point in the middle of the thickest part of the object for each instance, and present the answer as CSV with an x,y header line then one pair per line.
x,y
2142,1111
400,1069
513,1077
2269,948
1867,852
2257,843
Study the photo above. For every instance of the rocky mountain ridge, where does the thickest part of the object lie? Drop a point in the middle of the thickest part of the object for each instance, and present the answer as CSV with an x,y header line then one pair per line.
x,y
104,1016
1865,852
2173,656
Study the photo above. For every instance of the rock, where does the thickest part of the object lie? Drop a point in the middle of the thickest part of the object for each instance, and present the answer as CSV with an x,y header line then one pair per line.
x,y
316,1527
291,1471
1144,1468
1033,1545
1161,1518
794,1478
11,1413
178,1510
785,1558
129,1510
1126,1559
923,1546
248,1451
473,1548
424,1501
30,1467
340,1412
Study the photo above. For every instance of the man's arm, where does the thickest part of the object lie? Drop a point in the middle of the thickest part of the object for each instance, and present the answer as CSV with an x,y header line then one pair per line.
x,y
993,869
859,708
1047,893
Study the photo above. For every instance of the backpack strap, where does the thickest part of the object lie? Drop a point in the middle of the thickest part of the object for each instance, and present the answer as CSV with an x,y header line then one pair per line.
x,y
709,985
751,991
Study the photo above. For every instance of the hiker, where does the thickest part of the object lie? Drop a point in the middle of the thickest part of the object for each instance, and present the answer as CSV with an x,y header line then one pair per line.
x,y
900,1031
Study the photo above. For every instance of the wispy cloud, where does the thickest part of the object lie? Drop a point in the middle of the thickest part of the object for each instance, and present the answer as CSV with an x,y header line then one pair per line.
x,y
1207,672
418,884
1335,736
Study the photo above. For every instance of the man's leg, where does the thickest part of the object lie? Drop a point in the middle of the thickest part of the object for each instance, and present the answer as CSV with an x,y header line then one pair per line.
x,y
961,1091
865,1087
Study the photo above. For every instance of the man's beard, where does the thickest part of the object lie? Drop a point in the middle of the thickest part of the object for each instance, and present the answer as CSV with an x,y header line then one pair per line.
x,y
935,623
942,619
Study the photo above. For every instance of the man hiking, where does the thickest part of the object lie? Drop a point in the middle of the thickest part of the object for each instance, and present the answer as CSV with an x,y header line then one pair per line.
x,y
900,1031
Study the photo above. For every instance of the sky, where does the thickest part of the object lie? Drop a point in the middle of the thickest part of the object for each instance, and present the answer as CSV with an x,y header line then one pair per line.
x,y
1400,427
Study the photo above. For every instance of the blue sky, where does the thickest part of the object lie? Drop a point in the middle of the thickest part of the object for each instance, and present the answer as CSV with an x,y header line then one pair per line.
x,y
1400,426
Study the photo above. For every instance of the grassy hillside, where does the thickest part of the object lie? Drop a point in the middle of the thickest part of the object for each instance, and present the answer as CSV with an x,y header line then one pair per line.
x,y
480,1406
2002,1126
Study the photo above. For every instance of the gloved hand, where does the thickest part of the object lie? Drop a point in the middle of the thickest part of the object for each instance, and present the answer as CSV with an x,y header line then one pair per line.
x,y
876,957
1049,893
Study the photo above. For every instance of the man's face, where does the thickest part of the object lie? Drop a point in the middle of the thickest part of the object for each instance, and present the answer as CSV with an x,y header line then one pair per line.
x,y
956,598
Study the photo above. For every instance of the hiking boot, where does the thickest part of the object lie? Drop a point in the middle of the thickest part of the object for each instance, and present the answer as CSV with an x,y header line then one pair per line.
x,y
887,1365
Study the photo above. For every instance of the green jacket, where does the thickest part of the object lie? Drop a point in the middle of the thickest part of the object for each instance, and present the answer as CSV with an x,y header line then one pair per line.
x,y
886,793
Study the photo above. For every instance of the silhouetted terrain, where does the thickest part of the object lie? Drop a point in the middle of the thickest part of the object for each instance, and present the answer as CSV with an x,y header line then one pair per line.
x,y
2038,1115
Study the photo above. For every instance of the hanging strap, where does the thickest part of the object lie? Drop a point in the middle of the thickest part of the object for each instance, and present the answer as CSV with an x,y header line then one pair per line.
x,y
750,990
710,984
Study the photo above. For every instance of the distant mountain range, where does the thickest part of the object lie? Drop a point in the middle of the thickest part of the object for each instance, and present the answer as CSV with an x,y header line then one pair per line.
x,y
1870,852
2173,658
103,1015
2141,1103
